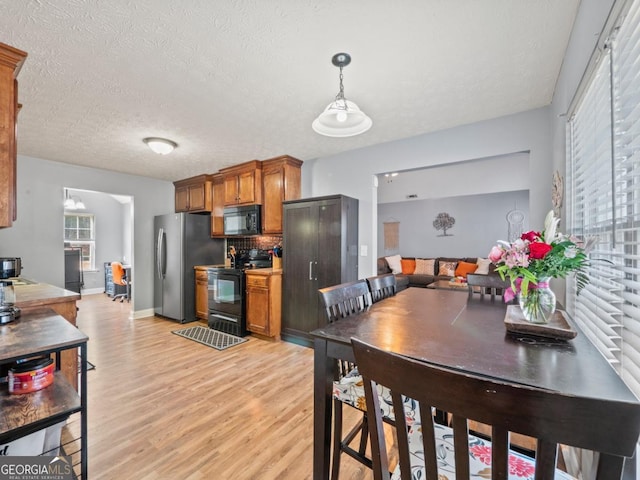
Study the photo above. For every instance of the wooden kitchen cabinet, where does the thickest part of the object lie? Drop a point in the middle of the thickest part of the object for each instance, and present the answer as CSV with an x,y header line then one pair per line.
x,y
264,301
217,208
202,300
11,60
194,194
281,182
243,184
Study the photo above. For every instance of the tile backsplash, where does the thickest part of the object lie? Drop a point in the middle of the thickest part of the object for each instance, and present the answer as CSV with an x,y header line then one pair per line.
x,y
261,242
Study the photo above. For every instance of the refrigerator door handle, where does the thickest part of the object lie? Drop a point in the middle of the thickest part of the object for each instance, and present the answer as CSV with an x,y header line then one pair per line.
x,y
161,266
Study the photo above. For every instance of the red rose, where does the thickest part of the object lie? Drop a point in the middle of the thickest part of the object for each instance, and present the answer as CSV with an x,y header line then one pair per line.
x,y
539,250
531,236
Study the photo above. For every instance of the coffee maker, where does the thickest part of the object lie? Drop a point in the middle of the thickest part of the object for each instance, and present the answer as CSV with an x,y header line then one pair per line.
x,y
8,311
10,267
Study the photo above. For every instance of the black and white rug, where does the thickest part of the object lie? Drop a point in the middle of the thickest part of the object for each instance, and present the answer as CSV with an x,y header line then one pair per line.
x,y
210,337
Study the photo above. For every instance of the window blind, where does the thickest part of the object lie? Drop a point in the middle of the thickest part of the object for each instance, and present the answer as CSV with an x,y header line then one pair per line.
x,y
603,201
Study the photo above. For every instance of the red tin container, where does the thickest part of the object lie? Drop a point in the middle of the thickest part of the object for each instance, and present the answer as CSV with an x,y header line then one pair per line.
x,y
31,376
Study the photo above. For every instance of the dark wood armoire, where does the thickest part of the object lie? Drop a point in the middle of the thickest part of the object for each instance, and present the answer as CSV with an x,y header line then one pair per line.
x,y
320,249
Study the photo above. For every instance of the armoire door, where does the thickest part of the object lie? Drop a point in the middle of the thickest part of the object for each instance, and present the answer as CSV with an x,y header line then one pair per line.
x,y
320,238
300,249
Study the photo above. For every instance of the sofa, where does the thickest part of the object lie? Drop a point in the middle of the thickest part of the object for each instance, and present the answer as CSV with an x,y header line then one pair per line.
x,y
432,271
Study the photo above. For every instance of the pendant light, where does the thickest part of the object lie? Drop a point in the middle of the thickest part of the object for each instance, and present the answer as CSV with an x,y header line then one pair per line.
x,y
72,202
160,146
342,117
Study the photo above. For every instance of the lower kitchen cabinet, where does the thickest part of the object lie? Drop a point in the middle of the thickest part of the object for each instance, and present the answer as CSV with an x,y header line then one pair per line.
x,y
264,301
202,301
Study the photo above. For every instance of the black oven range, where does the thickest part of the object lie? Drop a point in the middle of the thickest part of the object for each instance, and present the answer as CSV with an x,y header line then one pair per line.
x,y
226,292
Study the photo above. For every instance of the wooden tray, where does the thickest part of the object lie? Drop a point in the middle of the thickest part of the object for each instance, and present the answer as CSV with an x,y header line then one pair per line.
x,y
558,326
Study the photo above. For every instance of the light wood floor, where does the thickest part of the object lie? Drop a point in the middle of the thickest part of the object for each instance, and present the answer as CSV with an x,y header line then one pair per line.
x,y
165,407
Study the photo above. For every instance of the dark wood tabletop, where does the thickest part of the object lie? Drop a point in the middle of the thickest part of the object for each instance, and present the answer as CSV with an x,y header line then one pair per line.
x,y
445,328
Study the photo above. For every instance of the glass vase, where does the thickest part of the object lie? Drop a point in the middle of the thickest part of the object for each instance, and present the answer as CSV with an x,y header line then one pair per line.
x,y
539,304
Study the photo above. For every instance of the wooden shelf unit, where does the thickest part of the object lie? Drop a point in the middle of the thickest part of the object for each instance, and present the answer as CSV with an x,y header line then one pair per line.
x,y
44,332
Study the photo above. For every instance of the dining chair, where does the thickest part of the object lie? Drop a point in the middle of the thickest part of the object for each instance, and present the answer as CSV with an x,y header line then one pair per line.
x,y
486,284
426,450
342,301
382,286
120,279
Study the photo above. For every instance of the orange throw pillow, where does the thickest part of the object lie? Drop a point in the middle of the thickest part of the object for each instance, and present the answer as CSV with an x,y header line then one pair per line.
x,y
408,266
464,268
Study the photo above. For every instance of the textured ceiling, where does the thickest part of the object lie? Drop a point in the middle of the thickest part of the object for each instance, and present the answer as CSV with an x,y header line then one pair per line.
x,y
237,80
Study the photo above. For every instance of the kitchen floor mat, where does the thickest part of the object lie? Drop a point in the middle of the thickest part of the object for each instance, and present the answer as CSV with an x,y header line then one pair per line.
x,y
210,337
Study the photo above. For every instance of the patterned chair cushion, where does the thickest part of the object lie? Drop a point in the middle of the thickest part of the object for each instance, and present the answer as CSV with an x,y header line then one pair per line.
x,y
521,467
350,390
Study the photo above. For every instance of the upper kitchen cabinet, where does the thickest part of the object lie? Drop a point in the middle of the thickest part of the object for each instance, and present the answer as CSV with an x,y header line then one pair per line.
x,y
194,194
217,210
281,182
11,60
243,184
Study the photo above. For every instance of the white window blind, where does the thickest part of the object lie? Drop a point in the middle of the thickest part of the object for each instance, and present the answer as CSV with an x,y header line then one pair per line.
x,y
603,201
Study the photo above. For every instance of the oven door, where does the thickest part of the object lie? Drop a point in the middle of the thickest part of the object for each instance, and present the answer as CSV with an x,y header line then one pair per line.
x,y
225,292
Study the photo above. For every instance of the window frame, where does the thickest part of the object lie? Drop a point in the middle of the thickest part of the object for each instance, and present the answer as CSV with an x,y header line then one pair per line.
x,y
88,258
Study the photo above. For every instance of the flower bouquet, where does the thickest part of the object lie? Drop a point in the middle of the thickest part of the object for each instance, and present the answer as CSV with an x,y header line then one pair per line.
x,y
532,260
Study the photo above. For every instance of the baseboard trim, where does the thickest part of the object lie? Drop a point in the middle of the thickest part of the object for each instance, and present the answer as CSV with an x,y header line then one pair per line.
x,y
148,312
92,291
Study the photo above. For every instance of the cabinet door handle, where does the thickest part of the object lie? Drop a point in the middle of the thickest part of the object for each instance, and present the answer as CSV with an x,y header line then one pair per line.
x,y
310,270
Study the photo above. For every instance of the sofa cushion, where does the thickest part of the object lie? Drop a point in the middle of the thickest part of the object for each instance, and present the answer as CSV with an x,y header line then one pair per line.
x,y
402,282
383,266
447,269
420,280
463,268
483,265
408,266
394,263
425,266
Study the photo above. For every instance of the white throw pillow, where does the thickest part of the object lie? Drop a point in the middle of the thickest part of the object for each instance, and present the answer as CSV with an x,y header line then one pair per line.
x,y
394,263
425,266
483,265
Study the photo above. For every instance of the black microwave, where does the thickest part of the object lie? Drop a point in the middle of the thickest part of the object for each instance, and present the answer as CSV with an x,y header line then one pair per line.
x,y
242,220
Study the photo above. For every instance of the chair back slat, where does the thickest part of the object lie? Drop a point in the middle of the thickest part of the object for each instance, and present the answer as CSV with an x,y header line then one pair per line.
x,y
345,299
483,285
602,425
382,286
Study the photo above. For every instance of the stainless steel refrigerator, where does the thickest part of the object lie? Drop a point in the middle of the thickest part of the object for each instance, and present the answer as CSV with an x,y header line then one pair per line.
x,y
182,240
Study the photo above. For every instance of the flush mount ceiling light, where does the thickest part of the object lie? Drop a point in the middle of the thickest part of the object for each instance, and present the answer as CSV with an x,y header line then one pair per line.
x,y
341,118
160,145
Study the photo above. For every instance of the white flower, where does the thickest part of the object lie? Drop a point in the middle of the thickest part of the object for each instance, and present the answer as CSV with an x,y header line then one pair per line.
x,y
550,226
570,252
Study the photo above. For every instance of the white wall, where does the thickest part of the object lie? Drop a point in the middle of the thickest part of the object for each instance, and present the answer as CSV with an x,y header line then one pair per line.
x,y
505,173
480,220
110,224
351,173
36,235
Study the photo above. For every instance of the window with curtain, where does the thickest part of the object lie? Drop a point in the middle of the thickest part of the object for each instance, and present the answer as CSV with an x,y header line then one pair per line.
x,y
79,232
603,198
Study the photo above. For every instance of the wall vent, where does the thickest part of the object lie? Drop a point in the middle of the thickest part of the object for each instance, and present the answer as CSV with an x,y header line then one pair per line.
x,y
412,195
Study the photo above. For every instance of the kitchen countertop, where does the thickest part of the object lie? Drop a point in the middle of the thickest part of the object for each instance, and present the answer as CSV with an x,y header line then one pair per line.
x,y
263,271
34,294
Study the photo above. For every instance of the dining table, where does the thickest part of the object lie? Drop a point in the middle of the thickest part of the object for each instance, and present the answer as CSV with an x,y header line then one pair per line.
x,y
442,327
